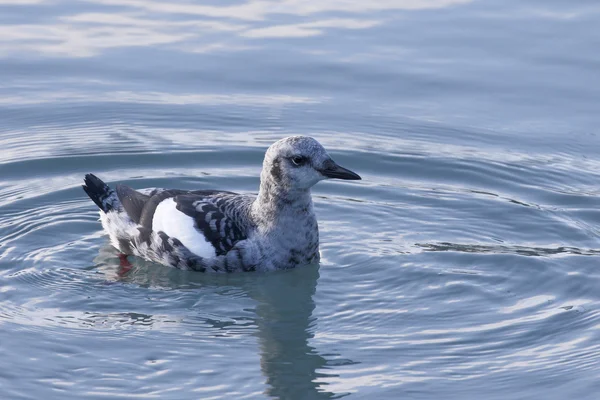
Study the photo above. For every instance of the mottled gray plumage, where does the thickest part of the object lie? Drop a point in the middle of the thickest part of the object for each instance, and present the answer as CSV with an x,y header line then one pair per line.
x,y
275,230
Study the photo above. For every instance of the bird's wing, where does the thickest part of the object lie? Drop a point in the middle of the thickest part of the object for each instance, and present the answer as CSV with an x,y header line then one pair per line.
x,y
219,216
208,222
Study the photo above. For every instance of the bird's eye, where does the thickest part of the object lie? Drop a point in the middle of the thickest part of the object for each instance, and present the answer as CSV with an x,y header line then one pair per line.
x,y
298,160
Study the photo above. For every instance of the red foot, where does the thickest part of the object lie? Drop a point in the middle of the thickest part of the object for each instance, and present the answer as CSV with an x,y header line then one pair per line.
x,y
124,264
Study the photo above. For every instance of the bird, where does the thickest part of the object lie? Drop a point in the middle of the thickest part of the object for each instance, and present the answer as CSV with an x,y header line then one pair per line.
x,y
222,231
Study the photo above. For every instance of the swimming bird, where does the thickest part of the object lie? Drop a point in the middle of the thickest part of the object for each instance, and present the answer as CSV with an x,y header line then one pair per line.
x,y
220,231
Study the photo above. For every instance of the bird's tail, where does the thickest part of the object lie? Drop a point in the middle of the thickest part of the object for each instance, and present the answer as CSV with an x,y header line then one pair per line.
x,y
104,197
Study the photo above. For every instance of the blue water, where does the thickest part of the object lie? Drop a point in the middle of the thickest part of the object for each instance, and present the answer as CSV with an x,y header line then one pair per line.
x,y
465,264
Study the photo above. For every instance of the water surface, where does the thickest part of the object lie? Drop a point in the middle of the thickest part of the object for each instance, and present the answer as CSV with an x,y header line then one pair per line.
x,y
465,263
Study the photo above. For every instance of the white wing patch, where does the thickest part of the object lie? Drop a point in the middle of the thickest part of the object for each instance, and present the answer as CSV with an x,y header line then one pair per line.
x,y
170,220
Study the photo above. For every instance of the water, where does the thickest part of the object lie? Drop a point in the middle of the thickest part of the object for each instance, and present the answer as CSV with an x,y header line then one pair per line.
x,y
465,263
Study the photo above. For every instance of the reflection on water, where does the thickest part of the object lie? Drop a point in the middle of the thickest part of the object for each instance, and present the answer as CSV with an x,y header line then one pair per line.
x,y
185,26
282,304
285,327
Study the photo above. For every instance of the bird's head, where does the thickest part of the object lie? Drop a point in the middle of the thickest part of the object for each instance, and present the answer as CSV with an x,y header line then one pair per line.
x,y
299,162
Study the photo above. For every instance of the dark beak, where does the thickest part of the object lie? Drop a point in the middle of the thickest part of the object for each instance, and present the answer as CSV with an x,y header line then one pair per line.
x,y
332,170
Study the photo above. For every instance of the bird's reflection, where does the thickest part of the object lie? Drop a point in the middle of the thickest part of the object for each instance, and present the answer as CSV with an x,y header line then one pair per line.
x,y
283,316
285,325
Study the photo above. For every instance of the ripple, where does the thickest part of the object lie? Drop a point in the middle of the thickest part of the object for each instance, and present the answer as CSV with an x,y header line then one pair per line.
x,y
466,320
518,250
58,320
445,264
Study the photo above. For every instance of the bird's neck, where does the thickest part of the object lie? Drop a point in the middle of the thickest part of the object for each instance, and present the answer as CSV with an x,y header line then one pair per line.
x,y
276,202
286,221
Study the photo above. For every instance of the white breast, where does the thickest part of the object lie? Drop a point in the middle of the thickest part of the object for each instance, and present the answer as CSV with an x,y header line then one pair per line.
x,y
170,220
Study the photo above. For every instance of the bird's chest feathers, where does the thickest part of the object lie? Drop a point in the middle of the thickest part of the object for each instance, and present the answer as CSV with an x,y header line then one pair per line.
x,y
297,239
